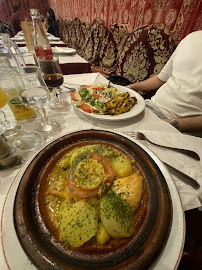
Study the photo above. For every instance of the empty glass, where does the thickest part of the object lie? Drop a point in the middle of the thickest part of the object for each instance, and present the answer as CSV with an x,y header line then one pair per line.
x,y
34,92
8,49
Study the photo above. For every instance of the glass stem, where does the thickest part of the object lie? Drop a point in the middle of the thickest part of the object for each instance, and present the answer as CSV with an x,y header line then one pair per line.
x,y
56,92
42,113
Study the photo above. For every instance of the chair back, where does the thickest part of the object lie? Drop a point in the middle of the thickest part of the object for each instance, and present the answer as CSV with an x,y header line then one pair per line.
x,y
94,40
111,45
145,52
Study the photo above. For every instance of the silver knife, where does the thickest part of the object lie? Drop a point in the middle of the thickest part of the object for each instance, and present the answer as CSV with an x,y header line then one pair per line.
x,y
184,177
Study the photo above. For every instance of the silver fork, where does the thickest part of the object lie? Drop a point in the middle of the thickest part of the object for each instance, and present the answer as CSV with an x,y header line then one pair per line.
x,y
70,89
182,176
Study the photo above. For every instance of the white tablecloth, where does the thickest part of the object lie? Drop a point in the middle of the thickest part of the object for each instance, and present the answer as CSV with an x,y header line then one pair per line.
x,y
146,121
71,120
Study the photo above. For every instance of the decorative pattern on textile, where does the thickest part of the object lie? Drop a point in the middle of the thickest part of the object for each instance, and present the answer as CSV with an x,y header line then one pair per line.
x,y
145,52
84,32
111,44
181,16
75,33
92,44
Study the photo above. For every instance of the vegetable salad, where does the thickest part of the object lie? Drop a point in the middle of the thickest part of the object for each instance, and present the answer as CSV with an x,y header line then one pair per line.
x,y
104,99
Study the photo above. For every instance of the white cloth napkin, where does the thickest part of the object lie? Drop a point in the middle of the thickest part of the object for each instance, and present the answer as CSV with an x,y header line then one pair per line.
x,y
81,79
17,38
52,38
168,146
63,50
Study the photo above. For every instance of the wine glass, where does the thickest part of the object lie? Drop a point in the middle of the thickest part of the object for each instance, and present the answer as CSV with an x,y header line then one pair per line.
x,y
34,92
53,78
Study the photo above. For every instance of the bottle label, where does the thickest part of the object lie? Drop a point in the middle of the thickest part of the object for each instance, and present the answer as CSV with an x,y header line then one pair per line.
x,y
46,54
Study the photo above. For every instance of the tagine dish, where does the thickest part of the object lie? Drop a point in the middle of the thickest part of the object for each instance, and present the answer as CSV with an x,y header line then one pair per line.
x,y
92,199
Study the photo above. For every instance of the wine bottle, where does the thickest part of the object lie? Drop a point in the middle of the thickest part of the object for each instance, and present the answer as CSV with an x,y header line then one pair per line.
x,y
42,46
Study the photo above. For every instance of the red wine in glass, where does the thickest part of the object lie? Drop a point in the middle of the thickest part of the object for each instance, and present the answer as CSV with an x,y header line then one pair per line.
x,y
53,80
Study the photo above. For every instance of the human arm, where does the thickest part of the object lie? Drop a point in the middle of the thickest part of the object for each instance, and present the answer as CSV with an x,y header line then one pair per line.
x,y
152,83
189,124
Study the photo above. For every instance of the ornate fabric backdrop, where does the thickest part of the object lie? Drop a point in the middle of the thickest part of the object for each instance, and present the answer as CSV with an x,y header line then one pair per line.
x,y
182,16
6,9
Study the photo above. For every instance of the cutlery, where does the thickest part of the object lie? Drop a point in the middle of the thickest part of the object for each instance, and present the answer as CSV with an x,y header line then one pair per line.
x,y
70,89
182,176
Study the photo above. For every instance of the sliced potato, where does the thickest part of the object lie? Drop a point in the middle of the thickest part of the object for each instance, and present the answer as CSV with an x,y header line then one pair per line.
x,y
89,173
64,163
122,166
130,189
102,235
78,223
116,216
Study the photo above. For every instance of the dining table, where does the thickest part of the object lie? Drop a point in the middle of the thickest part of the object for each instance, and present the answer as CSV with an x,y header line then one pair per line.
x,y
70,61
54,41
160,139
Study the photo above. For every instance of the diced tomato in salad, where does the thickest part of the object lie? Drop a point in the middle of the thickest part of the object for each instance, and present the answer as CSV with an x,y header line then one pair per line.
x,y
90,99
73,96
95,95
87,108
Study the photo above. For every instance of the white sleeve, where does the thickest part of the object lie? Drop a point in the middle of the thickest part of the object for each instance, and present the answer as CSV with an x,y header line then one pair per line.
x,y
166,72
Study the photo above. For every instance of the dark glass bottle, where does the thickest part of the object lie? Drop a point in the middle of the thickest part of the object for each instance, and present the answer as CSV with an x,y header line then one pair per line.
x,y
42,46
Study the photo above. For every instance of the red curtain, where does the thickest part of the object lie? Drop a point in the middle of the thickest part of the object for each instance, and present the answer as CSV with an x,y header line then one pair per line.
x,y
181,16
6,9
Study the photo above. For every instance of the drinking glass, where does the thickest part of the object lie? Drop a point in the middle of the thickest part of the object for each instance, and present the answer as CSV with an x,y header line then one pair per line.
x,y
8,49
53,78
34,92
27,59
9,84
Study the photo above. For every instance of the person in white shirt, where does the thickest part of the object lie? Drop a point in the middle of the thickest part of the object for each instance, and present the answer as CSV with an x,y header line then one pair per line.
x,y
178,99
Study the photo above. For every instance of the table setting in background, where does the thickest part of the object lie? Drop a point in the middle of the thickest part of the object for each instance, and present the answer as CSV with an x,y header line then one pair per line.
x,y
162,141
54,41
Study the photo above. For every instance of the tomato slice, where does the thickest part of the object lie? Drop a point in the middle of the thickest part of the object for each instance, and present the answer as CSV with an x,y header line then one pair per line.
x,y
81,192
99,88
73,96
95,110
84,86
108,168
86,108
95,94
84,193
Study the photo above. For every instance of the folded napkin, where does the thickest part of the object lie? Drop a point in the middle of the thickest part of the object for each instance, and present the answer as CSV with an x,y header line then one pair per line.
x,y
63,50
80,79
52,38
17,38
181,151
